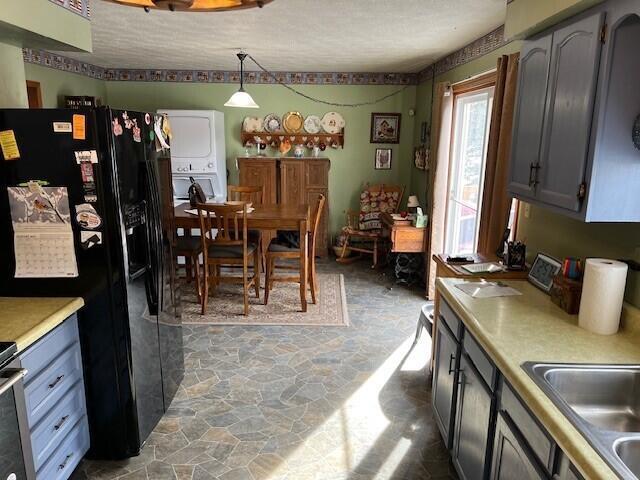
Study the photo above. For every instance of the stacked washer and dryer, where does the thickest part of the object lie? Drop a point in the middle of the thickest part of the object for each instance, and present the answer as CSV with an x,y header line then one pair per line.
x,y
198,151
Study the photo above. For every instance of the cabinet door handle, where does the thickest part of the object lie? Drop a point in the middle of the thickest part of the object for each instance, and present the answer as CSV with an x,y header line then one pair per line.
x,y
533,178
451,360
66,460
62,421
56,381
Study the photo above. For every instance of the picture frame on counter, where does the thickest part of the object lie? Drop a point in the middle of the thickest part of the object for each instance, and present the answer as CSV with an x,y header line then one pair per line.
x,y
385,127
383,159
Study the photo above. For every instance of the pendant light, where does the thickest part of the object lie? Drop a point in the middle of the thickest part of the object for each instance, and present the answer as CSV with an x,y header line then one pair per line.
x,y
193,5
241,99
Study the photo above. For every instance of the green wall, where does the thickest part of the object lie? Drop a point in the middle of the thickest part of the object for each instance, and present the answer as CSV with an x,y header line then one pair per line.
x,y
350,167
55,84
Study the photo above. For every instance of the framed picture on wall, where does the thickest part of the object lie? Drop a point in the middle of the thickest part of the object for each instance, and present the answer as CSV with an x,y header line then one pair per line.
x,y
383,159
385,127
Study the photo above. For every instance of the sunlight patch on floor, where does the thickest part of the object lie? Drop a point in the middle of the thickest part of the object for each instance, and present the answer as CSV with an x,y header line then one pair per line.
x,y
347,439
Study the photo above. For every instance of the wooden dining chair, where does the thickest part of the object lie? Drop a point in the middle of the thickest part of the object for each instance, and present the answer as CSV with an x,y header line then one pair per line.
x,y
190,248
243,193
278,251
249,194
229,247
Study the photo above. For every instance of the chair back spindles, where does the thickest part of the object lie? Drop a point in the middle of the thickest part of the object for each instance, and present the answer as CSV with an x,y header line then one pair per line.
x,y
316,222
229,221
245,193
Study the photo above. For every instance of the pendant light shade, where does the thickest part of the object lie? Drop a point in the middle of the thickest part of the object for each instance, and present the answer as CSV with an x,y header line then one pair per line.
x,y
241,99
193,5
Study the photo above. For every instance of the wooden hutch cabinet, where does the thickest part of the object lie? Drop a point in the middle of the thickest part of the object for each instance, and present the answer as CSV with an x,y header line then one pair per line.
x,y
291,180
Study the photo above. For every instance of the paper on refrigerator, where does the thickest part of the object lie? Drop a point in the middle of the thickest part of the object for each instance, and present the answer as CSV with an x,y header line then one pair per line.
x,y
42,234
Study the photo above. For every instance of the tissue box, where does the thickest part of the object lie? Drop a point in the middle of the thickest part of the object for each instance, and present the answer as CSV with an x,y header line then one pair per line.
x,y
566,293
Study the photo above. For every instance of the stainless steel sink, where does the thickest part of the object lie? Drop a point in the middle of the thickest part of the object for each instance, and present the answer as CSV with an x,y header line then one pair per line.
x,y
628,450
603,403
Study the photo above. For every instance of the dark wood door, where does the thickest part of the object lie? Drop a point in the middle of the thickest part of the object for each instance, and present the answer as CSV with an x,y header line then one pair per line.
x,y
260,172
34,94
292,182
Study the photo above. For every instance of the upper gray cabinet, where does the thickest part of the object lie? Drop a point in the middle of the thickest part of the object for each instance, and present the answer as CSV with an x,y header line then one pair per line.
x,y
577,101
573,74
532,90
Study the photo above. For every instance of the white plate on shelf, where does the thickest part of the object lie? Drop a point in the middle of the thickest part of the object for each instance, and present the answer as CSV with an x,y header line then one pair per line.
x,y
312,124
332,123
252,124
272,123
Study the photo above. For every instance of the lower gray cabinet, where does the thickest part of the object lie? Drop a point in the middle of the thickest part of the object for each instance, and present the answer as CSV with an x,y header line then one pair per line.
x,y
445,377
566,470
512,458
473,423
51,407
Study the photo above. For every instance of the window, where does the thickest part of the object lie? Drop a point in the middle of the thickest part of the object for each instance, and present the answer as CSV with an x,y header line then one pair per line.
x,y
470,134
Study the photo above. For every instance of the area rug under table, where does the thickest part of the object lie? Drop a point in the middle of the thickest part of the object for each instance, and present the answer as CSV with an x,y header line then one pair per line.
x,y
225,305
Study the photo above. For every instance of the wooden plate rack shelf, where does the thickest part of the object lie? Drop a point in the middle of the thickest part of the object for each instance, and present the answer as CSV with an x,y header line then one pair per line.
x,y
300,138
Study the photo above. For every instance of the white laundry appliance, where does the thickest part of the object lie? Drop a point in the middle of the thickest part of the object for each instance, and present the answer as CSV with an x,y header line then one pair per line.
x,y
198,151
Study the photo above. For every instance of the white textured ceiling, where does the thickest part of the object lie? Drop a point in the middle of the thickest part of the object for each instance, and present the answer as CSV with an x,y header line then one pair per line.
x,y
292,35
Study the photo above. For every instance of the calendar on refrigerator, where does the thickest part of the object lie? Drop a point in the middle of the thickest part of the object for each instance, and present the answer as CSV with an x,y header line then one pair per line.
x,y
42,234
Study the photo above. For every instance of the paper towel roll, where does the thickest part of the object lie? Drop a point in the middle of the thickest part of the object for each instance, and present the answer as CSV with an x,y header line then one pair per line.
x,y
602,295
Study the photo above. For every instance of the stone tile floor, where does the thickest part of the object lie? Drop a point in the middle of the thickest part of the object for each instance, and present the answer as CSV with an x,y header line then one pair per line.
x,y
298,403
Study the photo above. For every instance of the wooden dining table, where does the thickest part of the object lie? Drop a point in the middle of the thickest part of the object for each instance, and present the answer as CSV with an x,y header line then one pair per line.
x,y
267,217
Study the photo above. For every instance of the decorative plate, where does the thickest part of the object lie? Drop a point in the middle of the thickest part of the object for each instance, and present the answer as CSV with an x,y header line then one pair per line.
x,y
292,122
272,123
332,123
312,124
252,124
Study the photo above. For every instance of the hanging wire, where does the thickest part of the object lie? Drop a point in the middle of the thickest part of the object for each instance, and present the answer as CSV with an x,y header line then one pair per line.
x,y
325,102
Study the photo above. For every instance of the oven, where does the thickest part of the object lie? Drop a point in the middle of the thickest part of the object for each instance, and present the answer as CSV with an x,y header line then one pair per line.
x,y
12,466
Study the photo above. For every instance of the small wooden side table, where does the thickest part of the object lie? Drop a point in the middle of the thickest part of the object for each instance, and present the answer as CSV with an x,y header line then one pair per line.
x,y
449,270
405,238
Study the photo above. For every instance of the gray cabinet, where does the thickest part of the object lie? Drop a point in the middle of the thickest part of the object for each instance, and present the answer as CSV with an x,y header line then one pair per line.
x,y
529,115
576,104
571,92
473,423
51,407
445,377
511,456
566,470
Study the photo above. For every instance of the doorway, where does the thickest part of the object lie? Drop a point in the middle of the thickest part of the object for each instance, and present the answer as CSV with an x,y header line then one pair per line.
x,y
469,139
34,94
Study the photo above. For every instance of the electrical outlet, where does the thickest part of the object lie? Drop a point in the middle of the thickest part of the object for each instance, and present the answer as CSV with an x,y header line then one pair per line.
x,y
527,210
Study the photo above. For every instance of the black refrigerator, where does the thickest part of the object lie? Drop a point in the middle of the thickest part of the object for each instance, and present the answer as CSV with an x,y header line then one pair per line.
x,y
130,326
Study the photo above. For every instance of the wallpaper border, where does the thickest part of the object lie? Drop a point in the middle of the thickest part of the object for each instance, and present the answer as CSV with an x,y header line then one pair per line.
x,y
476,49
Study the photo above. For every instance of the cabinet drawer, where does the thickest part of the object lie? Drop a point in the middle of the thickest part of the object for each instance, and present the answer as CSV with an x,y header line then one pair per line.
x,y
45,390
65,459
408,240
480,360
451,319
47,349
539,441
57,424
